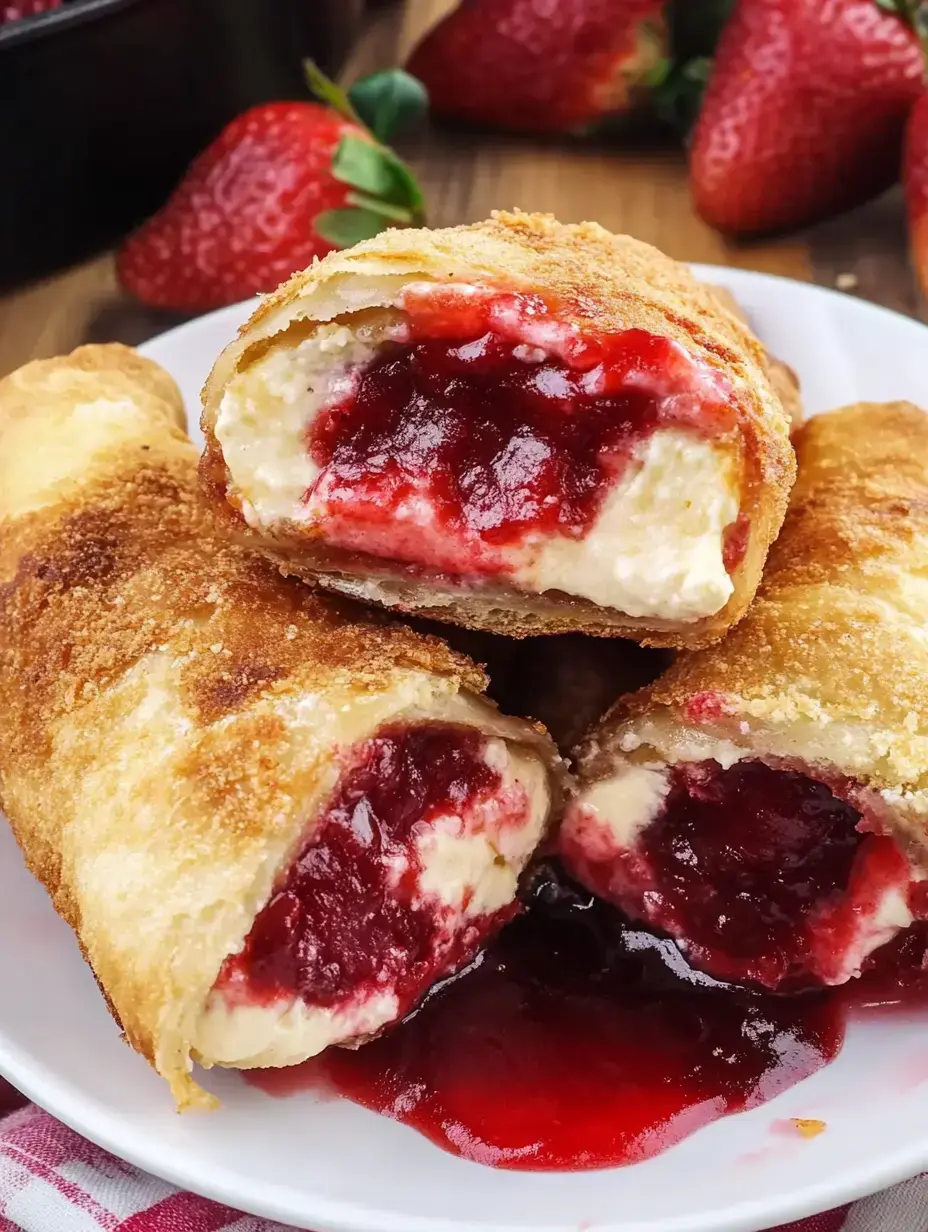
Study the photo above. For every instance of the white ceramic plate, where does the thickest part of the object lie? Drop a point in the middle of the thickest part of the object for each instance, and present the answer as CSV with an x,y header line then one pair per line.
x,y
335,1167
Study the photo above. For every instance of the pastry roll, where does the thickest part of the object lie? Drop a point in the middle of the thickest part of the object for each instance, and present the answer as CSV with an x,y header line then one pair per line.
x,y
765,802
517,426
272,821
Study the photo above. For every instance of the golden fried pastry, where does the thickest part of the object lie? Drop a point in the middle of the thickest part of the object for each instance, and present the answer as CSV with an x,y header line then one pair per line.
x,y
272,821
783,380
766,801
517,426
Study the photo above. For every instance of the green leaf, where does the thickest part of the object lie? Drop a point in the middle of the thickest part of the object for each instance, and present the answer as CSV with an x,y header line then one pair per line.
x,y
329,92
389,101
347,227
407,191
695,29
658,73
378,172
397,213
698,71
364,165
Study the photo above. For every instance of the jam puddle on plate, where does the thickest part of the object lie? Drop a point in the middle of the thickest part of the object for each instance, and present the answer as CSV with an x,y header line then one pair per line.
x,y
578,1041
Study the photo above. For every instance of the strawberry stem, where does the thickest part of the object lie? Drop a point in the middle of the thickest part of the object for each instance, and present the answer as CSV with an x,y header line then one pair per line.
x,y
384,190
330,93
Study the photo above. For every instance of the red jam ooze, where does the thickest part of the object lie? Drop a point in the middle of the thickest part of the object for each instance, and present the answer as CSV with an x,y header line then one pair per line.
x,y
580,1041
349,920
764,874
502,440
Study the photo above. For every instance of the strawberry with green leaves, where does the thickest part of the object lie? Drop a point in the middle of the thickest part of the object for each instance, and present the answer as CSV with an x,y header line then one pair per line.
x,y
542,66
805,110
281,184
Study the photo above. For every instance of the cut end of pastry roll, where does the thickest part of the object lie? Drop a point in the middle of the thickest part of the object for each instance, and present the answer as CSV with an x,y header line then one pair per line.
x,y
765,802
411,865
518,426
765,872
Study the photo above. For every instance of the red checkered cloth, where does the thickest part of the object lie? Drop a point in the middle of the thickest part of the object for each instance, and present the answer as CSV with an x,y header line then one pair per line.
x,y
53,1180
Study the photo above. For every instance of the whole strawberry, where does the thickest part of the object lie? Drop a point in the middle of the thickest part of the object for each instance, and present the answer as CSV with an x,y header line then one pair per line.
x,y
538,66
15,10
915,179
280,185
805,111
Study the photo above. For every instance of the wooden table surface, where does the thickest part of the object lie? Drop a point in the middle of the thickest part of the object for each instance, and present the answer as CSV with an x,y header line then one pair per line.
x,y
642,192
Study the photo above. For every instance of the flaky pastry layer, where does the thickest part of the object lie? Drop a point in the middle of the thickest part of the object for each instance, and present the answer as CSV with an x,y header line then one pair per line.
x,y
600,282
169,704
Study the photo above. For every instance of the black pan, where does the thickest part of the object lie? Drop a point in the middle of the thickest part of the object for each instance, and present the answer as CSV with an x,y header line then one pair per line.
x,y
103,103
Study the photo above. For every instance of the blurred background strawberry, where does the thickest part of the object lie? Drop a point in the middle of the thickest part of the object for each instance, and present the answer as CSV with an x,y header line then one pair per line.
x,y
534,66
16,10
791,111
805,110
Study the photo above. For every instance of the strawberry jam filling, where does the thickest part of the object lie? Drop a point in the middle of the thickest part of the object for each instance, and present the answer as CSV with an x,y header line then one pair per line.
x,y
762,874
493,425
357,915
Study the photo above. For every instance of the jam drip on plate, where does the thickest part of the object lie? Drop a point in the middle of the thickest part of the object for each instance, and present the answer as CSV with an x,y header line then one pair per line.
x,y
467,439
350,920
762,873
579,1041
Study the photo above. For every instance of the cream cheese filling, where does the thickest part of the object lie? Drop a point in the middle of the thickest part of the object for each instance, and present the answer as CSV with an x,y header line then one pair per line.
x,y
470,866
657,546
656,549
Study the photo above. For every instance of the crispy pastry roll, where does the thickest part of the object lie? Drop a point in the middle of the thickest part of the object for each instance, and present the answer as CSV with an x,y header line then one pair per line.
x,y
272,822
765,802
517,426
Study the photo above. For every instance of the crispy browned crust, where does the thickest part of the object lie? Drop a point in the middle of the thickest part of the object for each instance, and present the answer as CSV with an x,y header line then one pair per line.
x,y
830,665
783,380
785,384
161,745
614,282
